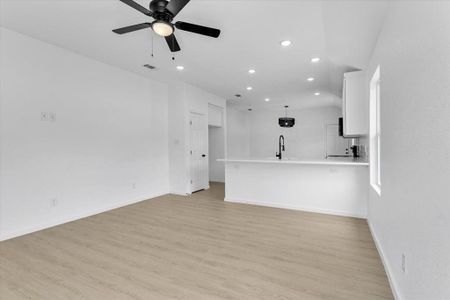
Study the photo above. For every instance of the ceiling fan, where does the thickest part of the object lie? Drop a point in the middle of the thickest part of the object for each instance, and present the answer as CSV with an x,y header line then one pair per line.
x,y
163,12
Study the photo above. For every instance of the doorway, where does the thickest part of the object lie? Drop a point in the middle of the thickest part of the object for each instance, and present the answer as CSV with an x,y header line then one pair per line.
x,y
216,141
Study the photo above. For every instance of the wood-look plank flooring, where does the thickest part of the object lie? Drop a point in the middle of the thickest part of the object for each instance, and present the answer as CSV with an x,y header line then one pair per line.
x,y
196,247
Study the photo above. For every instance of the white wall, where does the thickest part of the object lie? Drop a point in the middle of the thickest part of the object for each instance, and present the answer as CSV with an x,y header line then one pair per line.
x,y
238,133
110,133
178,164
216,141
184,99
305,140
412,216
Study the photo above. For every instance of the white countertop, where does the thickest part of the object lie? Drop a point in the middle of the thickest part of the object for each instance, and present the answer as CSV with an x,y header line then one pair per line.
x,y
334,161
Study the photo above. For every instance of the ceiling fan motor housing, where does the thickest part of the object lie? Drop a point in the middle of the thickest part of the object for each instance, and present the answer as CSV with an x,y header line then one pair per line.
x,y
158,6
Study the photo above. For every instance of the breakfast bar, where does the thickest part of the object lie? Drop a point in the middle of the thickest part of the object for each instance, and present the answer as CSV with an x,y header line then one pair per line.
x,y
331,186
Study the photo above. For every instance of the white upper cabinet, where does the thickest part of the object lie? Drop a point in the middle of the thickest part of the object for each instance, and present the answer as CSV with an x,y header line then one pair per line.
x,y
355,104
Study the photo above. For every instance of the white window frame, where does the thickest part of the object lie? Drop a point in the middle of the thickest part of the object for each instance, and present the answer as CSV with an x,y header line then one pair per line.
x,y
375,132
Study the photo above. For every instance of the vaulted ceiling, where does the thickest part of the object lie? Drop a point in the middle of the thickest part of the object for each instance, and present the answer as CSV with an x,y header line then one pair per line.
x,y
342,33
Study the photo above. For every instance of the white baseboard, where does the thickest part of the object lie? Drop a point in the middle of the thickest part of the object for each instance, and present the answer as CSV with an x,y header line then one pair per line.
x,y
309,209
387,268
52,223
178,193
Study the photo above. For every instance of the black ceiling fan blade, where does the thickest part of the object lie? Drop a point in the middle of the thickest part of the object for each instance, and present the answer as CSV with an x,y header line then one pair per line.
x,y
175,6
212,32
172,43
132,28
137,7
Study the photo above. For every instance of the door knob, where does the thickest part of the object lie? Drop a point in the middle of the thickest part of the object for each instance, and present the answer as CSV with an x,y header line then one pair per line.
x,y
203,155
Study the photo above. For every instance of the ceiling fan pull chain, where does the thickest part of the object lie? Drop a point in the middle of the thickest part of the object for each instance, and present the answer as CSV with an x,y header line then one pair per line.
x,y
173,46
152,46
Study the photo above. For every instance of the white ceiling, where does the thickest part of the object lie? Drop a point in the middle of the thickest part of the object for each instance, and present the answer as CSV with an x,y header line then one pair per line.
x,y
342,33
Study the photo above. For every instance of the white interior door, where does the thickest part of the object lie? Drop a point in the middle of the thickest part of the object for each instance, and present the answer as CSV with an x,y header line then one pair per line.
x,y
199,152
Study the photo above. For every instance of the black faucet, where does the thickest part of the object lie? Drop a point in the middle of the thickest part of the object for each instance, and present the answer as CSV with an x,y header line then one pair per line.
x,y
280,147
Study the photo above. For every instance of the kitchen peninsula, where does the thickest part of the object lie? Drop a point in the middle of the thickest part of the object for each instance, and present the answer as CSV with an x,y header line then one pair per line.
x,y
332,186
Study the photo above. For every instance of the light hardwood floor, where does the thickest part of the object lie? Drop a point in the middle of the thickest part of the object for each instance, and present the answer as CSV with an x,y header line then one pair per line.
x,y
196,247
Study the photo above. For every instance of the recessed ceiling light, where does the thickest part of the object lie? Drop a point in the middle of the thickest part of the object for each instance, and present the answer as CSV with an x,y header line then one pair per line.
x,y
180,68
310,79
315,59
267,99
249,88
286,43
317,94
251,71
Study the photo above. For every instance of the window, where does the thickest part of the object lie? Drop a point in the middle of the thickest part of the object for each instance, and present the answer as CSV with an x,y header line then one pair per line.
x,y
375,132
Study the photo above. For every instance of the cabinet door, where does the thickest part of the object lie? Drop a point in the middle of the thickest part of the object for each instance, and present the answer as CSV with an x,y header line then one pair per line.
x,y
354,106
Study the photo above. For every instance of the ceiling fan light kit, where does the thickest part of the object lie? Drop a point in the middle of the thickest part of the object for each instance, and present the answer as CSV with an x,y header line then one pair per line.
x,y
163,12
162,28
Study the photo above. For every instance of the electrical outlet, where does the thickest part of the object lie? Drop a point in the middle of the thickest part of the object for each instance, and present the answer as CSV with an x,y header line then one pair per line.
x,y
53,202
134,186
404,262
44,116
